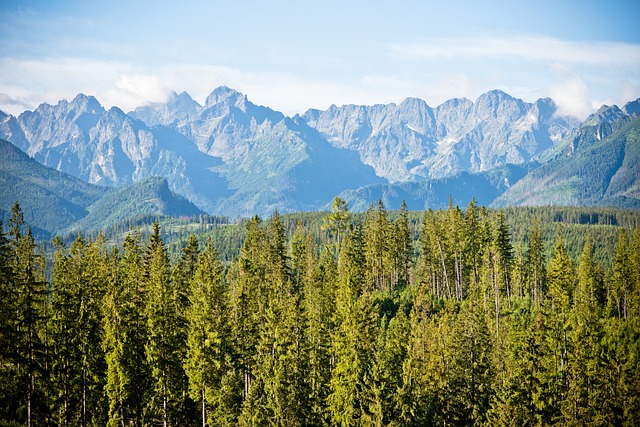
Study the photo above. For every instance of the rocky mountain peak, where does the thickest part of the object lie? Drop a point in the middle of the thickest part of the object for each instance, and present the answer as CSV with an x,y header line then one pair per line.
x,y
116,113
177,109
183,102
494,96
414,103
455,103
87,104
225,95
605,114
632,108
498,103
546,106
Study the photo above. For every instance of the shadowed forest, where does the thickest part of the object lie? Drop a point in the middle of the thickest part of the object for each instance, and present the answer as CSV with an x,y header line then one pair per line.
x,y
456,318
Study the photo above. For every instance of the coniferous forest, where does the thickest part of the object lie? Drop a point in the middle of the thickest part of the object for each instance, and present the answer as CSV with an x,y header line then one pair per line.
x,y
368,325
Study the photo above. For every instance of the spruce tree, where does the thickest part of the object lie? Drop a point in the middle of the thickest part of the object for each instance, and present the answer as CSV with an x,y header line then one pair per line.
x,y
29,347
402,249
9,387
561,281
318,307
128,380
207,363
623,278
377,248
337,221
581,403
248,299
80,278
536,263
163,344
353,336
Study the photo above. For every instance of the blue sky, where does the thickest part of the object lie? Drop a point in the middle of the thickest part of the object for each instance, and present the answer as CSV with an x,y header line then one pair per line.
x,y
293,56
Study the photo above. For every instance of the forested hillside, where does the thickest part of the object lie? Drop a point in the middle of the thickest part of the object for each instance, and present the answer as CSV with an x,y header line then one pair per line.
x,y
347,320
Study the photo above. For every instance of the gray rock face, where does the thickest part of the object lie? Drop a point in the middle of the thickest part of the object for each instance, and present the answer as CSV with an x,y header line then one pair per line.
x,y
412,141
10,130
175,112
232,157
112,148
229,156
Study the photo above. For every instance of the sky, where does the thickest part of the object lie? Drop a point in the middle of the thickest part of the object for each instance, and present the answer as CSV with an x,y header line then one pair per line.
x,y
296,55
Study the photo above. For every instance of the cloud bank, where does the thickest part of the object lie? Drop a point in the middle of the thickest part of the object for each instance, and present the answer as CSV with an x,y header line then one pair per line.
x,y
579,76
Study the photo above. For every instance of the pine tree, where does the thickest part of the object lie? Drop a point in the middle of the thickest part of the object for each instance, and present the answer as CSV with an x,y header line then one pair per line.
x,y
9,387
208,355
536,263
248,299
29,350
377,248
338,220
80,278
561,282
163,344
581,404
402,250
353,336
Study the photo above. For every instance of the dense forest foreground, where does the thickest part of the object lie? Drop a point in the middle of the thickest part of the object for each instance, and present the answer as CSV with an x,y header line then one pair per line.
x,y
456,318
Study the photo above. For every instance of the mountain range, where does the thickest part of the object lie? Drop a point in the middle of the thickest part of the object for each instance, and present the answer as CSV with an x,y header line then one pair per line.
x,y
235,158
54,202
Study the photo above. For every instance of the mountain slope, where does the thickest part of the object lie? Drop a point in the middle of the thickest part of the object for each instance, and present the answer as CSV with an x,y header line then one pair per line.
x,y
150,196
235,158
484,187
50,200
596,127
269,161
110,148
55,202
604,172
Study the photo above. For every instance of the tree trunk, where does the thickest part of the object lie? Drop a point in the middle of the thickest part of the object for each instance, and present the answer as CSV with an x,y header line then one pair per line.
x,y
204,409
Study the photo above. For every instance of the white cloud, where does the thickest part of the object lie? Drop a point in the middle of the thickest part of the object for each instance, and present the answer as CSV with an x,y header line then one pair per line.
x,y
526,47
576,80
127,86
132,90
630,91
571,95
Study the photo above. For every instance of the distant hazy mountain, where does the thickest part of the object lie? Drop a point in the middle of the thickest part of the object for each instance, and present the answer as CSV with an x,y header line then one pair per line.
x,y
484,187
412,141
55,202
232,157
269,161
111,148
